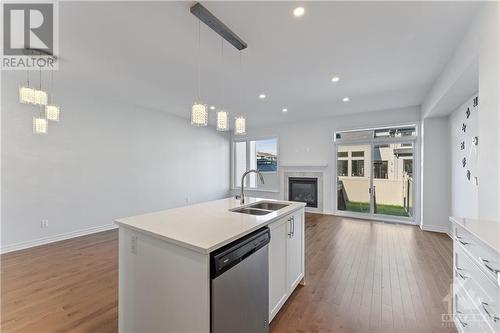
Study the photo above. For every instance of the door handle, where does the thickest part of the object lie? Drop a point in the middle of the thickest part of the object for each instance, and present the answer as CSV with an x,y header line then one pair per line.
x,y
293,226
290,227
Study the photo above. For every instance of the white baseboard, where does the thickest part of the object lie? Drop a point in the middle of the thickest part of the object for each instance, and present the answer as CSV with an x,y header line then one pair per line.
x,y
56,238
436,228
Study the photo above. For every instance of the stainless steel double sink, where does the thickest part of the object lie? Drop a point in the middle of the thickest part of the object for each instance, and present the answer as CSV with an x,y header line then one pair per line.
x,y
260,208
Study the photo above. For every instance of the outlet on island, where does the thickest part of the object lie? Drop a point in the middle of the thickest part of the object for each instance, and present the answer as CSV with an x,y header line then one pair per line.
x,y
44,223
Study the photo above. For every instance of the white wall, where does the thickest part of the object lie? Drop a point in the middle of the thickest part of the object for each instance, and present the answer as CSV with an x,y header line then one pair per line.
x,y
479,49
102,161
309,145
489,113
435,168
464,193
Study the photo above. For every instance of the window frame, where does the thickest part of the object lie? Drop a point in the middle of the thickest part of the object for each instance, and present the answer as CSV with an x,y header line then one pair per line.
x,y
235,185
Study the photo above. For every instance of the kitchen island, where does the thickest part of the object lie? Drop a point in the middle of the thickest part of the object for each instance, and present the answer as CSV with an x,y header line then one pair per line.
x,y
164,260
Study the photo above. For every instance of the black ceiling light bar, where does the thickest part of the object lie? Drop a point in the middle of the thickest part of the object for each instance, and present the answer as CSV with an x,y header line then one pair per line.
x,y
216,25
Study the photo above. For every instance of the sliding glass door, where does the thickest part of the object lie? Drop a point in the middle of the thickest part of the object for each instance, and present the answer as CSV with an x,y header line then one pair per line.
x,y
375,173
354,178
393,179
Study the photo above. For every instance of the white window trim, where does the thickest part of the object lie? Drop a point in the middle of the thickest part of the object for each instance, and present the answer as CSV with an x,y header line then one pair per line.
x,y
237,186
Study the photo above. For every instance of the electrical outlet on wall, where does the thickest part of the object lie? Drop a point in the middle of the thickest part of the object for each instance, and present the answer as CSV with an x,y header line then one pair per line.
x,y
44,223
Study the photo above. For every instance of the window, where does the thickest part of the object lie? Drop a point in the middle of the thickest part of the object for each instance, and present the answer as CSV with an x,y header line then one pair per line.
x,y
261,155
357,168
267,155
408,166
342,168
375,133
240,160
342,154
358,154
380,169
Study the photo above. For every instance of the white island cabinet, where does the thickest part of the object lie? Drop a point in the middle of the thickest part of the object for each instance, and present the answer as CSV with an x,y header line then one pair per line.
x,y
286,259
164,261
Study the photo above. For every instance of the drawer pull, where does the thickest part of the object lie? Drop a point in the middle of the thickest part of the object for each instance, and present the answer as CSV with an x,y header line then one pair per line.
x,y
485,308
487,264
460,320
459,239
462,276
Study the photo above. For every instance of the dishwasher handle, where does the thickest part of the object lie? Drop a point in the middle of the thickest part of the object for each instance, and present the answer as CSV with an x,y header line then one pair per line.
x,y
230,255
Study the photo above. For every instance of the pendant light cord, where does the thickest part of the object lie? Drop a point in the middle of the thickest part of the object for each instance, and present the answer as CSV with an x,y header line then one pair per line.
x,y
222,72
40,87
199,60
241,80
51,85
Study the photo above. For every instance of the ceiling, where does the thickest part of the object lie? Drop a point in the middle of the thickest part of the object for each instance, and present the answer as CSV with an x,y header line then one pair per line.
x,y
387,55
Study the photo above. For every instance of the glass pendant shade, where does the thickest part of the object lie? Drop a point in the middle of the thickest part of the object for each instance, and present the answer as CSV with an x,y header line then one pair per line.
x,y
29,95
239,126
222,121
199,115
40,125
40,97
26,95
52,112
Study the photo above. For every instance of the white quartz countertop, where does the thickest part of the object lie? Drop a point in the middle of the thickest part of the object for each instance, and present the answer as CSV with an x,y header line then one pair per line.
x,y
486,230
207,226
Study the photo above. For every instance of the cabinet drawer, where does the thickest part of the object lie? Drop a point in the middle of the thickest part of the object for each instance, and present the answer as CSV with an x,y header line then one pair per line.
x,y
484,294
467,317
487,258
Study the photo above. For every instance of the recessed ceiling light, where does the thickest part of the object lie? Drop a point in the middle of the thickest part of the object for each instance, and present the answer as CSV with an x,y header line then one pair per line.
x,y
262,96
335,79
299,11
212,107
285,110
345,99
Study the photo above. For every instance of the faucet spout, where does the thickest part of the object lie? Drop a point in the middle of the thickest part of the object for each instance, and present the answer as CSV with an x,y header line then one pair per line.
x,y
242,197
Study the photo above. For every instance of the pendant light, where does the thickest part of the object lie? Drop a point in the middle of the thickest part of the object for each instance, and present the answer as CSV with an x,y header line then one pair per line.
x,y
240,121
40,96
222,116
240,126
52,110
199,112
26,93
40,123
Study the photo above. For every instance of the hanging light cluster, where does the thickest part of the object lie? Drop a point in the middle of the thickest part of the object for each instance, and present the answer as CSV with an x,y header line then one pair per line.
x,y
38,97
199,110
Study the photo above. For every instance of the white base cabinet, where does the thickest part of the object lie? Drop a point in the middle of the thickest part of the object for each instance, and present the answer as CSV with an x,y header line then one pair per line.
x,y
286,259
476,277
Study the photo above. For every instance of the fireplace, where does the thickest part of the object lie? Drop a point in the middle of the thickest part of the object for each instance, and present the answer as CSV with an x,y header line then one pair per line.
x,y
303,189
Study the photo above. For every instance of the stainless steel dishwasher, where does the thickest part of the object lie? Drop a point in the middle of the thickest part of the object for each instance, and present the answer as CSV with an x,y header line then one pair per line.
x,y
240,285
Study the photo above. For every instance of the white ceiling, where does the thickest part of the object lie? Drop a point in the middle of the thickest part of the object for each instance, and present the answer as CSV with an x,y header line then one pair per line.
x,y
387,55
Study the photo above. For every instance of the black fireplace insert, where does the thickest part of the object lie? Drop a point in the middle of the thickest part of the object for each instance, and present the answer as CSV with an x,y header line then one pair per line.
x,y
303,189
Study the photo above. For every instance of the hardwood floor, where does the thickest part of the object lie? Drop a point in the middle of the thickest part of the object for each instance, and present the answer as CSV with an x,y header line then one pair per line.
x,y
361,276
